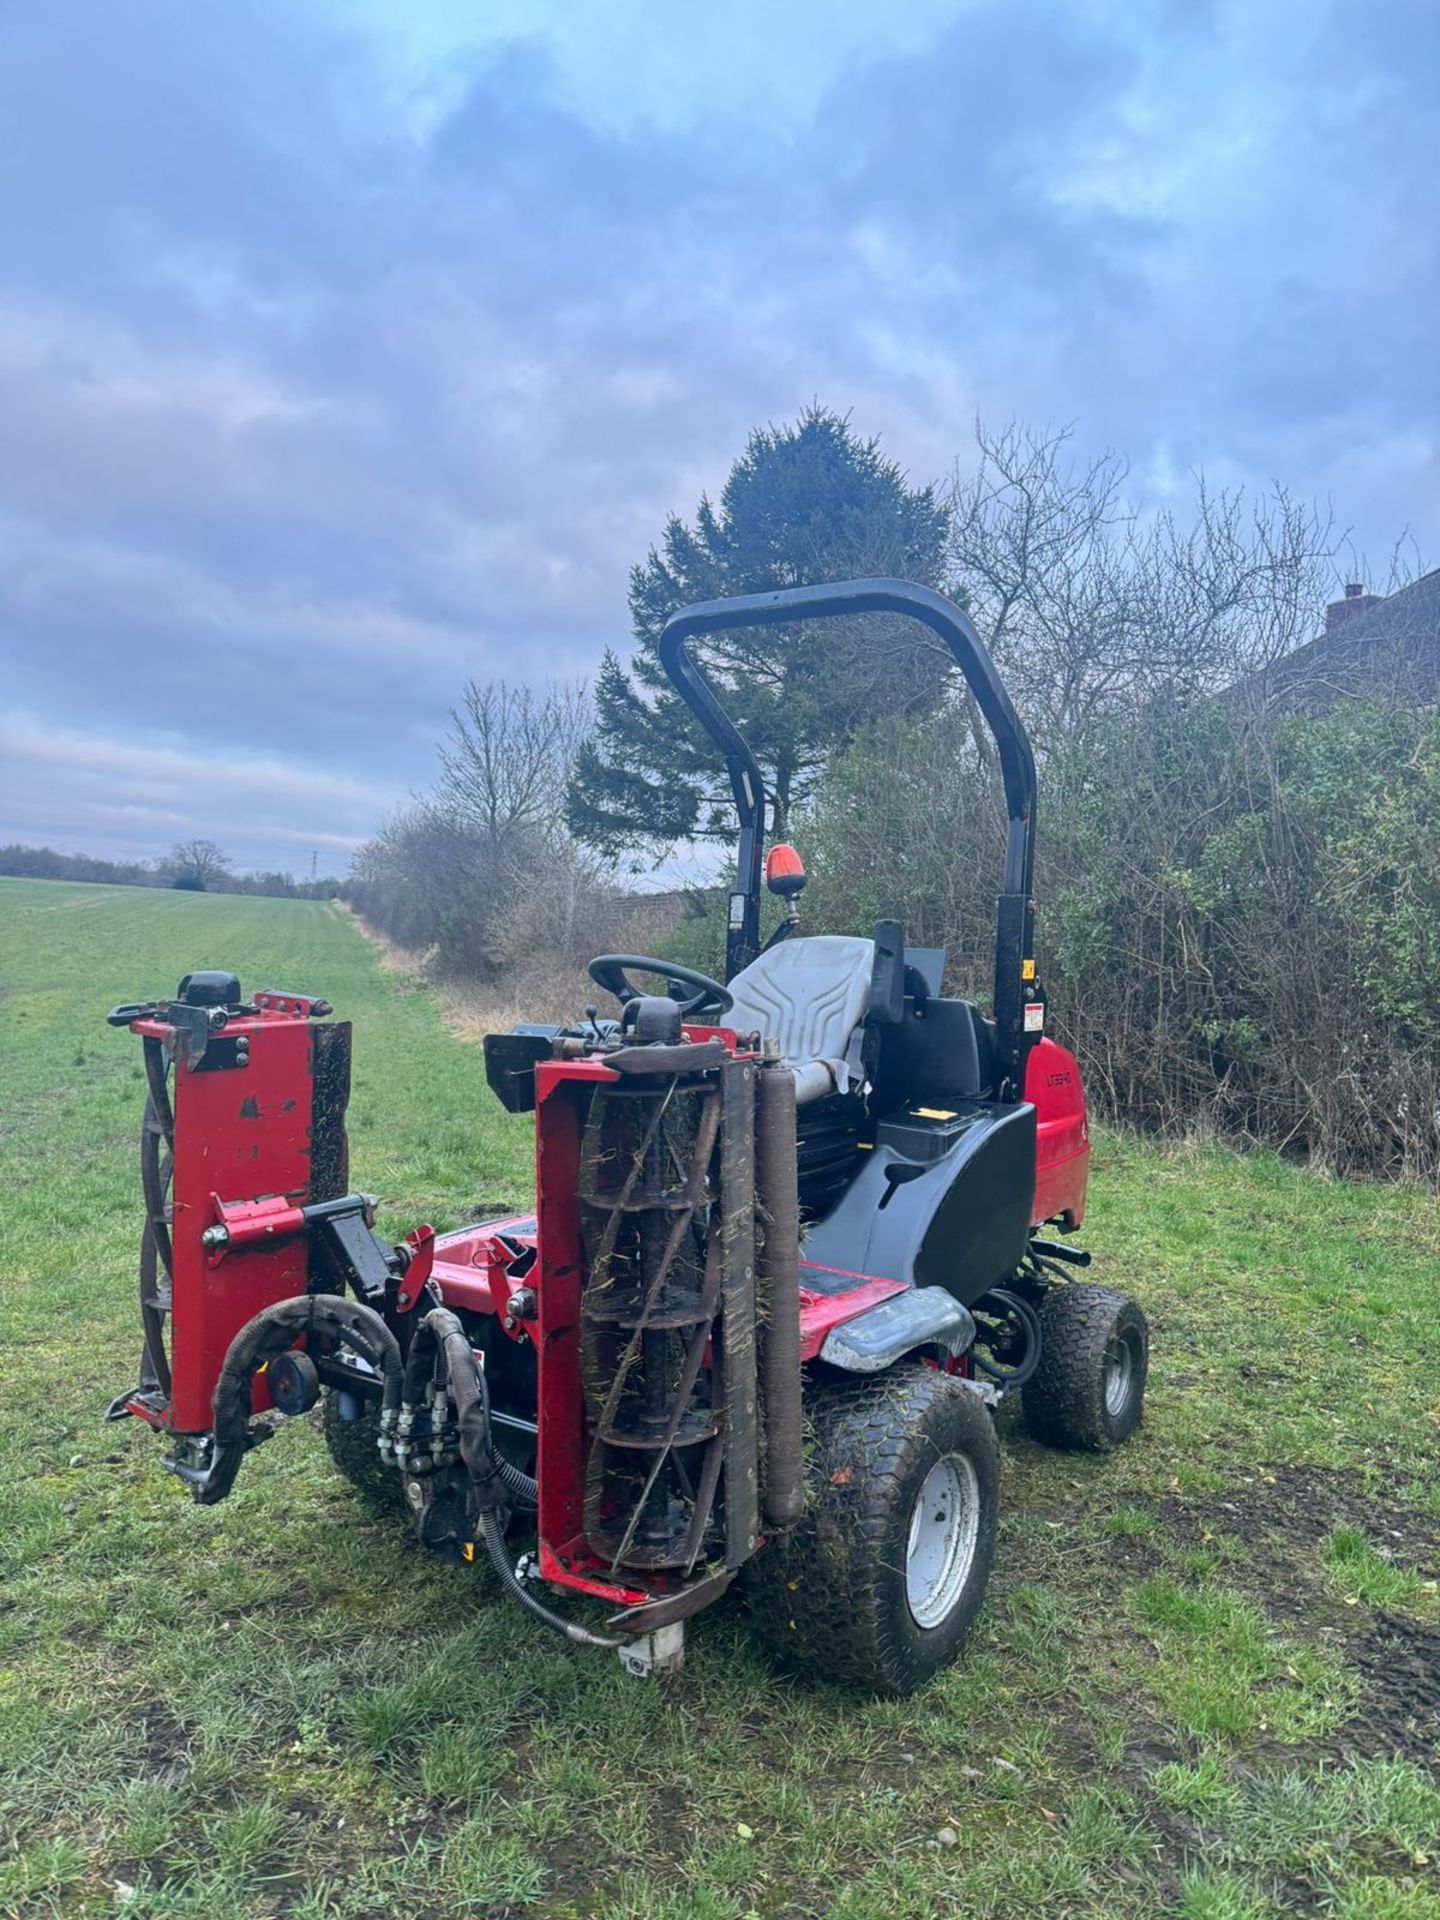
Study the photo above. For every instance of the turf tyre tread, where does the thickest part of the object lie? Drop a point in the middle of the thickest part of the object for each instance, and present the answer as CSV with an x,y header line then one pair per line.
x,y
1064,1399
829,1601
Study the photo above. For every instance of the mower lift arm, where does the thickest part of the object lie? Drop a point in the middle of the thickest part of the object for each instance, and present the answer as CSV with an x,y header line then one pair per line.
x,y
1017,762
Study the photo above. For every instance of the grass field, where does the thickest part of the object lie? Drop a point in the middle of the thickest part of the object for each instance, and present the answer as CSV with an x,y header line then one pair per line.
x,y
1207,1683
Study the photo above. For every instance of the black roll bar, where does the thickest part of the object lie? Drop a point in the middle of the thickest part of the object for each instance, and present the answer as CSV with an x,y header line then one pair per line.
x,y
1014,920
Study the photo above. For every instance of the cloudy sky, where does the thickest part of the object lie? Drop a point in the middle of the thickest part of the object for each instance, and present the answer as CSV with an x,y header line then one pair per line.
x,y
350,349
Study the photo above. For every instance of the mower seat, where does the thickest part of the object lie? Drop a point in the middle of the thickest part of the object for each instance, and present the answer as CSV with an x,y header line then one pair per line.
x,y
810,995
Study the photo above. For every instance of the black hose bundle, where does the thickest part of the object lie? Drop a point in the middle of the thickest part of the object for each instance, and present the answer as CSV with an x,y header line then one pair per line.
x,y
441,1332
270,1333
491,1474
1001,1303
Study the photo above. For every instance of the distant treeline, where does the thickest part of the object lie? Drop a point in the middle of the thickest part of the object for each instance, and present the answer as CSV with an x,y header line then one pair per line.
x,y
44,863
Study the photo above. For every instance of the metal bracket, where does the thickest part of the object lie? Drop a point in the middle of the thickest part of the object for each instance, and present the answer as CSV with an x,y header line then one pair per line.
x,y
985,1390
655,1656
190,1031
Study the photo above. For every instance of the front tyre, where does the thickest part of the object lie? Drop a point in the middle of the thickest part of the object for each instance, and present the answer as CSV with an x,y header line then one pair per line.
x,y
1089,1388
878,1585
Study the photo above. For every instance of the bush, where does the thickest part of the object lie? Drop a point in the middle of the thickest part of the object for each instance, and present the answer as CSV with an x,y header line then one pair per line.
x,y
1239,922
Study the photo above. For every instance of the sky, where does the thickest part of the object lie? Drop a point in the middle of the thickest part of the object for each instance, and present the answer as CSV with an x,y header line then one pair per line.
x,y
352,348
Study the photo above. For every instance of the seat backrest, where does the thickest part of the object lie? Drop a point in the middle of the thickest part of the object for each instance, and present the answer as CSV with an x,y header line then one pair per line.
x,y
941,1052
808,994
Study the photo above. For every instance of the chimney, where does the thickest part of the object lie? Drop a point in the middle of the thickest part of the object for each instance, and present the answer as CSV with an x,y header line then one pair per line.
x,y
1356,601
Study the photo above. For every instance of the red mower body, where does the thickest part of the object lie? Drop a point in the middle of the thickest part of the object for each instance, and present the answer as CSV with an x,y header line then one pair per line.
x,y
777,1274
259,1132
1062,1135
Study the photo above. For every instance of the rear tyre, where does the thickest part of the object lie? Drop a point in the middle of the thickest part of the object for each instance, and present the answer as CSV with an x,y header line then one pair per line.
x,y
1089,1388
878,1585
355,1448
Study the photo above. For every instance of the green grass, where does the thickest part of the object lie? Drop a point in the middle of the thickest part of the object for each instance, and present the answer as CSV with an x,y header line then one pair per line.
x,y
1363,1571
1199,1688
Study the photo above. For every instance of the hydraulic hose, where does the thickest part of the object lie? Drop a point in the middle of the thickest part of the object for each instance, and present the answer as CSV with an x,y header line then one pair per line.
x,y
441,1330
260,1340
525,1490
1010,1303
276,1327
509,1579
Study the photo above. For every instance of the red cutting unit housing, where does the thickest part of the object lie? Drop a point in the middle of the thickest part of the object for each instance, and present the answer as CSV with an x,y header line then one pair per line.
x,y
256,1122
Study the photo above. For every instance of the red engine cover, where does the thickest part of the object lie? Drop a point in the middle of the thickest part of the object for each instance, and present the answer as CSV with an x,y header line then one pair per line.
x,y
1062,1134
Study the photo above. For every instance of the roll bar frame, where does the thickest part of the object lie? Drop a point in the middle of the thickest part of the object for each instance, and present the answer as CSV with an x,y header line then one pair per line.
x,y
1014,921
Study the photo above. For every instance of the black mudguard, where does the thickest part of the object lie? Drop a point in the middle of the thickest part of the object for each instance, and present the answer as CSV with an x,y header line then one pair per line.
x,y
959,1219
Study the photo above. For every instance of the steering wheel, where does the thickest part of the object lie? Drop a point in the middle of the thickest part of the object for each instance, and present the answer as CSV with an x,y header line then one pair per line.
x,y
608,971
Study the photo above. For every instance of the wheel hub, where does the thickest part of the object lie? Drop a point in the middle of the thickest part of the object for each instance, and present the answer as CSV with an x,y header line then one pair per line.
x,y
1119,1375
943,1535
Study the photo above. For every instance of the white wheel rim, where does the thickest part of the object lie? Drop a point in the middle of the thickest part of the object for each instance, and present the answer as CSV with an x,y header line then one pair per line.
x,y
944,1533
1119,1374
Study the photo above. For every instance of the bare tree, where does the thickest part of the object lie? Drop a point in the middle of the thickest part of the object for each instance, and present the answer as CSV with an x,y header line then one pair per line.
x,y
483,873
1095,608
195,865
510,754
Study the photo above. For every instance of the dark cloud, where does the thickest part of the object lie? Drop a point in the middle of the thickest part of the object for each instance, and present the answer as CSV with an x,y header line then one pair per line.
x,y
316,397
970,151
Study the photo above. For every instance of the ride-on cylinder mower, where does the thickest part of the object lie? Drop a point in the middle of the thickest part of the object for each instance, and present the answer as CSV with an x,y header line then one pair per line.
x,y
791,1244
